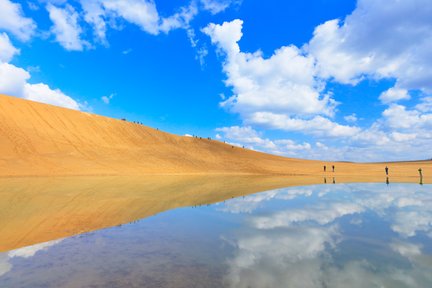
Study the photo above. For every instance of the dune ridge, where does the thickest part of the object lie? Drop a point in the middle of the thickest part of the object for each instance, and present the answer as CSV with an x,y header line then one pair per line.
x,y
44,140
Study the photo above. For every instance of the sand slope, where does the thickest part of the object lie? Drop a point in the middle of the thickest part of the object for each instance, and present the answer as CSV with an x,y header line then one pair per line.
x,y
40,139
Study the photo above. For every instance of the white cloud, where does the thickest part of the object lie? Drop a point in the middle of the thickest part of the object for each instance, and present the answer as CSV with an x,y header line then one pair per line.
x,y
287,91
398,117
180,19
142,13
7,50
66,27
271,92
216,6
380,39
94,14
13,20
351,118
271,84
318,125
43,93
246,136
393,95
13,81
107,99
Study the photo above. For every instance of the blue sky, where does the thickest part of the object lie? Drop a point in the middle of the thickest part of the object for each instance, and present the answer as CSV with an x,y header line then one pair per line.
x,y
322,79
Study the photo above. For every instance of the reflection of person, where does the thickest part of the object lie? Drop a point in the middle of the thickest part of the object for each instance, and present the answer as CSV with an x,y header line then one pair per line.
x,y
325,168
387,181
386,170
325,180
334,181
333,167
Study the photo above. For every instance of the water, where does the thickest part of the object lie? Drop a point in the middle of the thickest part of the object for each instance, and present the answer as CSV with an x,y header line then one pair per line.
x,y
343,235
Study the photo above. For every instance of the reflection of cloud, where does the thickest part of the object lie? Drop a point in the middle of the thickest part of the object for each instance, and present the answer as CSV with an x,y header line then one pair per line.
x,y
252,202
323,215
5,266
30,251
25,252
282,253
408,223
294,245
406,249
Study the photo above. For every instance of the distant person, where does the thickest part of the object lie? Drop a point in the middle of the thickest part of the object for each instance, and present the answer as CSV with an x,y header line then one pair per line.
x,y
386,170
325,168
420,172
333,168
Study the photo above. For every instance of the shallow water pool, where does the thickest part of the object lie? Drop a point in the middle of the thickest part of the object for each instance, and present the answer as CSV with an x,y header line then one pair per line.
x,y
342,235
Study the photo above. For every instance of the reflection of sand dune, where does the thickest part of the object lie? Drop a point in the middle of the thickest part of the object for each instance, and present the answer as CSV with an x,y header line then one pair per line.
x,y
40,139
34,210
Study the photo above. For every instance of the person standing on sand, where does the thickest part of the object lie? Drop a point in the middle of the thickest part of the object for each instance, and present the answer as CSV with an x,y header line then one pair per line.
x,y
333,168
325,168
420,172
386,170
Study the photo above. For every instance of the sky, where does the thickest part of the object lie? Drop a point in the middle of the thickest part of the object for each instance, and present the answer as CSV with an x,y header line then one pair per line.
x,y
317,79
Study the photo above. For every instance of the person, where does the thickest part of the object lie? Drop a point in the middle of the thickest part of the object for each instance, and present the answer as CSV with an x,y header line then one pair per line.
x,y
387,181
420,172
386,170
324,168
333,168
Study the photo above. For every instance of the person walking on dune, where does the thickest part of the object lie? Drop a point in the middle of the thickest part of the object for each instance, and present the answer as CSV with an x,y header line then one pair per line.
x,y
386,170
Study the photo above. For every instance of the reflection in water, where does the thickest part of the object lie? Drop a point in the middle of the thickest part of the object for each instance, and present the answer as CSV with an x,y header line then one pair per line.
x,y
367,235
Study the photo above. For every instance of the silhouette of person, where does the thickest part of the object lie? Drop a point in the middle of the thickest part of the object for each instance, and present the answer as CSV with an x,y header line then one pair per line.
x,y
387,181
420,172
386,170
325,168
333,168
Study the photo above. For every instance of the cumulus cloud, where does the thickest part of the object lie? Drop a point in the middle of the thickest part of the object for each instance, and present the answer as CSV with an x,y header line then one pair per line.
x,y
271,84
14,82
247,136
107,99
289,90
393,95
380,39
12,20
216,6
66,28
7,50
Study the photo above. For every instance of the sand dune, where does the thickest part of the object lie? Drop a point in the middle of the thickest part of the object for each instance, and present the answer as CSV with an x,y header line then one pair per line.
x,y
43,140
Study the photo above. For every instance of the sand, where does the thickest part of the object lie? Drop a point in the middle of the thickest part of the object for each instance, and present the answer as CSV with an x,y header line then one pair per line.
x,y
43,140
